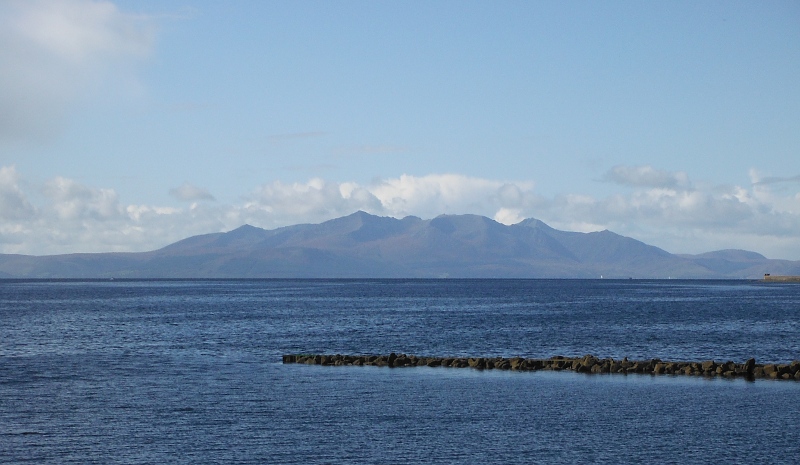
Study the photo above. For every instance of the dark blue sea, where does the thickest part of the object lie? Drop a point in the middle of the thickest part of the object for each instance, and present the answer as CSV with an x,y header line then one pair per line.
x,y
150,372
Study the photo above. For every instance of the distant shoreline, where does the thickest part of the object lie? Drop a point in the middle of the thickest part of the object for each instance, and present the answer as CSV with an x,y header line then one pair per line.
x,y
781,279
14,279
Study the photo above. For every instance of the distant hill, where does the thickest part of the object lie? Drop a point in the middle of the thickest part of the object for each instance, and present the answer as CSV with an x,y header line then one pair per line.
x,y
363,245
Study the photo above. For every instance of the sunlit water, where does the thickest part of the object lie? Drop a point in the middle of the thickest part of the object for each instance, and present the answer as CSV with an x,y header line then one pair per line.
x,y
190,372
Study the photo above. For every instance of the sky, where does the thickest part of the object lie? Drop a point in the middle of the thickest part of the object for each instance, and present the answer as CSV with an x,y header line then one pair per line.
x,y
129,125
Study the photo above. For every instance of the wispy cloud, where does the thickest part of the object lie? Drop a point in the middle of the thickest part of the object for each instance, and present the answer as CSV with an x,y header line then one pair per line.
x,y
297,135
189,107
646,176
778,180
311,168
190,193
370,149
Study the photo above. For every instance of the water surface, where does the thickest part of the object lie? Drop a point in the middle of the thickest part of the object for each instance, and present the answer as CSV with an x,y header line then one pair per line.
x,y
190,372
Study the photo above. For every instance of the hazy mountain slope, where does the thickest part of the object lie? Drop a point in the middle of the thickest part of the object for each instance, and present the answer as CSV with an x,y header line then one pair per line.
x,y
610,255
70,265
742,263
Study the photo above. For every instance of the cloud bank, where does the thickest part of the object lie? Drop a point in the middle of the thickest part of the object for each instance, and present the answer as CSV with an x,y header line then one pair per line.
x,y
62,215
51,52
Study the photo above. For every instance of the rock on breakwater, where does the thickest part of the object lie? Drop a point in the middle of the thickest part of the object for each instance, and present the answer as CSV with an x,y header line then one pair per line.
x,y
586,364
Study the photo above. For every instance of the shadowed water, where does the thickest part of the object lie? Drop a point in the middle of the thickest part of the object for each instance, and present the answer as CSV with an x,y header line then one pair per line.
x,y
190,372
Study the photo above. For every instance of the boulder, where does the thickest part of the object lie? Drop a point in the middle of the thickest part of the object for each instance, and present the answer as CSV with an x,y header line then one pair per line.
x,y
534,364
589,361
794,367
708,365
750,365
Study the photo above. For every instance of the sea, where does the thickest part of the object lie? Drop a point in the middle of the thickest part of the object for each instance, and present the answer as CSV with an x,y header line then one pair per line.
x,y
190,371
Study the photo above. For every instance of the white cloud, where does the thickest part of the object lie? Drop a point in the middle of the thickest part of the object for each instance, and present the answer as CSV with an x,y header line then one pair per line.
x,y
72,201
508,216
190,193
13,204
71,217
79,31
436,194
685,219
280,204
52,51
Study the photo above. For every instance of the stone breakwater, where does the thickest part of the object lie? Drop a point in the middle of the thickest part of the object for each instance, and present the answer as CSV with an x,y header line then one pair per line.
x,y
587,364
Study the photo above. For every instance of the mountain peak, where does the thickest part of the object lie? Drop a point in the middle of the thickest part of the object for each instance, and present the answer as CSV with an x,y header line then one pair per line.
x,y
242,236
245,228
533,223
361,214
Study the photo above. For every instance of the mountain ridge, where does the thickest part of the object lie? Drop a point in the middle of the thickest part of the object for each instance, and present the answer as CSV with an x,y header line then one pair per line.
x,y
362,245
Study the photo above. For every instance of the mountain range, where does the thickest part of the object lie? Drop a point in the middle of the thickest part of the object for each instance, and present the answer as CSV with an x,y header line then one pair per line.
x,y
367,246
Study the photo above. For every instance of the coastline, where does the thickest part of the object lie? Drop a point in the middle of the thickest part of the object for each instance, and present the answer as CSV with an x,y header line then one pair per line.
x,y
781,279
749,370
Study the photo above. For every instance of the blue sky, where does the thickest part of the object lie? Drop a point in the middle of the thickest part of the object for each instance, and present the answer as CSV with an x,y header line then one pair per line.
x,y
125,126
